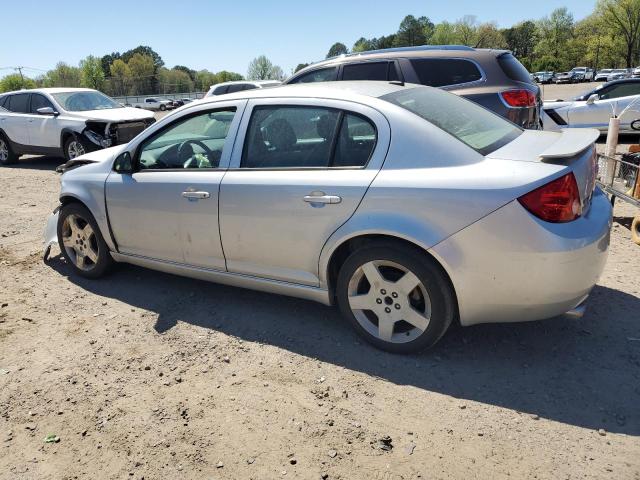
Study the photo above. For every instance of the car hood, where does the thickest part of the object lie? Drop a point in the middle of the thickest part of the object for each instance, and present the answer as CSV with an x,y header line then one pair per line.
x,y
99,156
123,114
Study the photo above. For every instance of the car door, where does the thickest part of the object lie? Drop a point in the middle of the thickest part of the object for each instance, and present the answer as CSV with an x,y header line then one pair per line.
x,y
299,171
611,99
167,209
14,122
44,130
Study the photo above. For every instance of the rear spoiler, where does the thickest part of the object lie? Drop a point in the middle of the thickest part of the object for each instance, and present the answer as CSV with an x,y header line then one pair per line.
x,y
571,142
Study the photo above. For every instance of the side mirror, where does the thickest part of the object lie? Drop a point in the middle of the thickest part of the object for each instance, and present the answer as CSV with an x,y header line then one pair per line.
x,y
592,99
47,111
123,163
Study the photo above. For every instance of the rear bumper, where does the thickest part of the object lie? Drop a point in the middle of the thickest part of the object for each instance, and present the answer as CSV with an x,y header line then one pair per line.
x,y
513,267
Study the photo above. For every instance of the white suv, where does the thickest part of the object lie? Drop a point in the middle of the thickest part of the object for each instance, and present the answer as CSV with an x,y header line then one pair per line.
x,y
64,122
240,85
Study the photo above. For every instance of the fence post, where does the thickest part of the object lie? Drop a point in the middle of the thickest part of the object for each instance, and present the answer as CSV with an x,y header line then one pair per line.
x,y
610,149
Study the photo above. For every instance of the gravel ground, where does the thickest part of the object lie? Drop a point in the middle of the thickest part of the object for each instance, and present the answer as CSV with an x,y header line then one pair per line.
x,y
148,375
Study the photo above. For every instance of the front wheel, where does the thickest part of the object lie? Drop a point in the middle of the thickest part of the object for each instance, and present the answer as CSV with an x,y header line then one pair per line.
x,y
81,242
7,157
396,297
163,108
74,147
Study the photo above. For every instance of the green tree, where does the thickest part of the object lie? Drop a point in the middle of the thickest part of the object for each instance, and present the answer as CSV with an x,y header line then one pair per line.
x,y
521,39
337,49
203,80
63,75
300,66
362,45
466,30
15,81
142,74
106,62
261,68
145,51
488,36
444,34
413,31
555,32
120,74
174,81
92,73
225,76
623,17
187,70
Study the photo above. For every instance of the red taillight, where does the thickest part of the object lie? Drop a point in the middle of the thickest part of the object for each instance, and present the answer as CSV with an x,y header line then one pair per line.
x,y
519,98
557,201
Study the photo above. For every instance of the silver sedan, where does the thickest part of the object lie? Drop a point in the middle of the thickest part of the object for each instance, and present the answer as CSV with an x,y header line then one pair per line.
x,y
408,207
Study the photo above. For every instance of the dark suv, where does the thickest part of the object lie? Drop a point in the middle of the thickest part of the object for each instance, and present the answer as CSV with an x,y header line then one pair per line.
x,y
494,79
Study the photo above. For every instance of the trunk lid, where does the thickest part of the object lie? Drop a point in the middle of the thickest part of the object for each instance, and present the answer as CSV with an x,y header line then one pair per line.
x,y
573,148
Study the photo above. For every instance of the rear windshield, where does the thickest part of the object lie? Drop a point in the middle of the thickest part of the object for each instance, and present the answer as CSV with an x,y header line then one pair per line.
x,y
479,128
513,69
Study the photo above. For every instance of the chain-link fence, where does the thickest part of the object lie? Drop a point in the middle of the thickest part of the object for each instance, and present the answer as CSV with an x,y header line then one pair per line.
x,y
620,177
132,99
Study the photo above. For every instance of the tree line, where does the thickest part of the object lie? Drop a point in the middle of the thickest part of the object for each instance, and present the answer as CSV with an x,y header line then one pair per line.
x,y
608,38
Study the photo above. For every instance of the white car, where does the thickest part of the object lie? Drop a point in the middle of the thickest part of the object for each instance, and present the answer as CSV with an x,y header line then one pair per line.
x,y
64,122
238,86
594,108
583,74
602,75
618,74
154,104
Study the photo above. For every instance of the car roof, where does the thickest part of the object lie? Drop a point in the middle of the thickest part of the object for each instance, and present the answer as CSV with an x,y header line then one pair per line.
x,y
51,90
252,82
622,80
329,90
431,51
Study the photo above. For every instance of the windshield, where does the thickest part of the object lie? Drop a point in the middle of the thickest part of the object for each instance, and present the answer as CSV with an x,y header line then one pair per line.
x,y
477,127
85,100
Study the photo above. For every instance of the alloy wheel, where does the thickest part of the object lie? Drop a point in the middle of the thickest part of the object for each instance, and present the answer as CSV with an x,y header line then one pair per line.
x,y
75,149
4,151
389,301
80,242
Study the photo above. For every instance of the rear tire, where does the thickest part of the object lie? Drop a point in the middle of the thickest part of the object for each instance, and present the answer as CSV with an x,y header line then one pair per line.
x,y
81,242
635,230
7,156
396,297
74,147
163,108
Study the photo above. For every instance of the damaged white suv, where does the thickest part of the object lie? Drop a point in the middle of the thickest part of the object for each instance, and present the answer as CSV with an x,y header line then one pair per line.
x,y
64,122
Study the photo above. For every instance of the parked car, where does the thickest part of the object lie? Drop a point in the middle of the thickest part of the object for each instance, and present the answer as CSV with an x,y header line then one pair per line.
x,y
154,104
493,78
186,100
583,74
544,77
594,108
64,122
602,75
618,74
635,73
406,206
177,102
239,86
566,77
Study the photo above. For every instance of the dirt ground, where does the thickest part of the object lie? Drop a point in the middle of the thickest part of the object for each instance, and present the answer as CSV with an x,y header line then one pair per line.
x,y
148,375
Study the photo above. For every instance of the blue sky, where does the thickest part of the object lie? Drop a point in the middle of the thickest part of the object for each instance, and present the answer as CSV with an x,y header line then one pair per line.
x,y
219,35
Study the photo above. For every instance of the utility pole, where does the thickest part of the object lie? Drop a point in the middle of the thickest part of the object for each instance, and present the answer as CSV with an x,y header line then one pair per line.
x,y
19,69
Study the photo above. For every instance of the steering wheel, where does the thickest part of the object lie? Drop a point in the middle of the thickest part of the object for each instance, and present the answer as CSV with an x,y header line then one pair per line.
x,y
185,150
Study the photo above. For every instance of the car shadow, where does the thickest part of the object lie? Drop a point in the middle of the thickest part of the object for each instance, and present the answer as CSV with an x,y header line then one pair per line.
x,y
31,162
580,372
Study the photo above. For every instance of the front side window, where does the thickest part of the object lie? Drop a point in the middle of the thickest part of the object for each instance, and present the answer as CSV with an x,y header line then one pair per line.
x,y
320,75
39,101
440,72
193,142
18,103
239,87
83,101
306,137
621,90
366,71
222,89
477,127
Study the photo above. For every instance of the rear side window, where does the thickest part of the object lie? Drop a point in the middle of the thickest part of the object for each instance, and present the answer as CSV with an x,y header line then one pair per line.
x,y
440,72
480,129
220,90
513,69
620,90
3,100
18,103
366,71
238,87
320,75
307,137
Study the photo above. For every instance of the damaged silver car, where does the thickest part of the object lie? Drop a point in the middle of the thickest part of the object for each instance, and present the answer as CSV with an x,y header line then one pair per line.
x,y
65,122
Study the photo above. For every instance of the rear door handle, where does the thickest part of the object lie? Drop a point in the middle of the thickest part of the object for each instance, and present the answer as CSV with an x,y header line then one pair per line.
x,y
196,195
322,198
